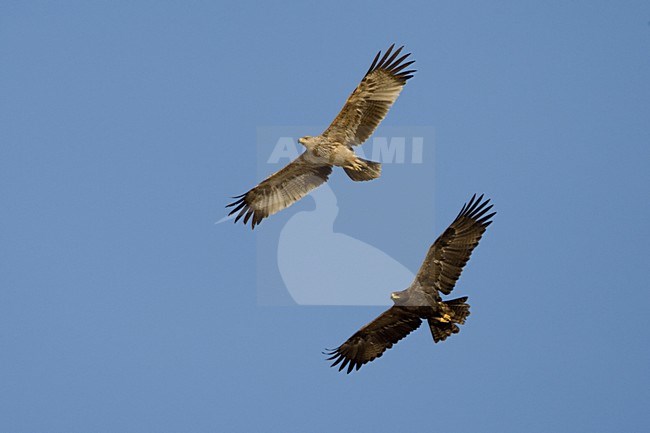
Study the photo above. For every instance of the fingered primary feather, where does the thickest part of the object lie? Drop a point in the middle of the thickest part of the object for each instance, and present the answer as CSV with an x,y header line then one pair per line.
x,y
369,103
448,255
279,190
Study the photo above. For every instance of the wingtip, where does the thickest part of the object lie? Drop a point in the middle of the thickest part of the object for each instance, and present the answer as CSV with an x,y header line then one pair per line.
x,y
390,62
477,208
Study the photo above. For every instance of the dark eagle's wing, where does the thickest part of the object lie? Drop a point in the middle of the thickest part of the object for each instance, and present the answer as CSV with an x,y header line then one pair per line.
x,y
371,100
451,251
375,338
280,190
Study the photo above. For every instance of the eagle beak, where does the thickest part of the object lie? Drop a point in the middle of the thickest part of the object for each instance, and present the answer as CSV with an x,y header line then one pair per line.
x,y
394,296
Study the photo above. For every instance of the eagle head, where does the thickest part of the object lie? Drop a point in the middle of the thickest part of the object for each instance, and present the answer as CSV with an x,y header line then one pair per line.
x,y
305,140
410,297
399,298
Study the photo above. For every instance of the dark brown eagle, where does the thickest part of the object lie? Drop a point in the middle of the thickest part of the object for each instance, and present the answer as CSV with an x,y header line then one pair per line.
x,y
363,111
421,300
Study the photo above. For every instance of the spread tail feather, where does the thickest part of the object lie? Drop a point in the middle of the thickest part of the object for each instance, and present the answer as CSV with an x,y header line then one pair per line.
x,y
459,312
367,170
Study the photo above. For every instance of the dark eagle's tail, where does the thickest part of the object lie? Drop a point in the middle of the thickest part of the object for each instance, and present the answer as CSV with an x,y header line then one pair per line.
x,y
364,170
459,310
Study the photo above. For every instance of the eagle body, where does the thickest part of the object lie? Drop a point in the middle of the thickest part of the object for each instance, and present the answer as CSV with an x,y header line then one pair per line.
x,y
364,109
321,151
422,300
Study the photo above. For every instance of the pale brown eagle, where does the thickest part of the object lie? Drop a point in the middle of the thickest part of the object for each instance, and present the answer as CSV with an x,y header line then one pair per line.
x,y
362,112
421,300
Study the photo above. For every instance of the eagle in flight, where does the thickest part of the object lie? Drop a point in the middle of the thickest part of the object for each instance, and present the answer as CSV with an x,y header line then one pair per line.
x,y
421,300
364,109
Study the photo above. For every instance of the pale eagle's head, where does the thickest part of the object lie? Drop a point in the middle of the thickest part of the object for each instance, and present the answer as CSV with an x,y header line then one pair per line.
x,y
308,140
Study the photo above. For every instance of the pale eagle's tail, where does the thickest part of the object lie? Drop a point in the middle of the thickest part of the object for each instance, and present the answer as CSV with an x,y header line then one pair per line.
x,y
440,330
363,170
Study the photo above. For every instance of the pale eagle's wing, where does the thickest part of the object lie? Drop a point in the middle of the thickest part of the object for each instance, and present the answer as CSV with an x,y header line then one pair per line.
x,y
451,251
371,100
371,341
280,190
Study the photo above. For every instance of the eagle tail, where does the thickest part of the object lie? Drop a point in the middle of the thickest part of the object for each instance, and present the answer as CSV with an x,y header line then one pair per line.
x,y
441,330
365,170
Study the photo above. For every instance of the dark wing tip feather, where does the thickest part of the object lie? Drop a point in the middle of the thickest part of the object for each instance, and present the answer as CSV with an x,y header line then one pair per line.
x,y
487,220
235,202
374,63
476,209
471,206
399,66
243,209
335,356
374,339
346,360
392,58
392,64
386,54
452,250
239,204
478,214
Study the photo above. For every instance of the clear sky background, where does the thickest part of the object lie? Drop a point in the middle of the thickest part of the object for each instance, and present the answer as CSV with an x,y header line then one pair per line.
x,y
125,127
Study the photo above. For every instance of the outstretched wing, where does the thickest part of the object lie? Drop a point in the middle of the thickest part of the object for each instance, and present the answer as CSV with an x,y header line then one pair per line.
x,y
451,251
371,100
280,190
375,338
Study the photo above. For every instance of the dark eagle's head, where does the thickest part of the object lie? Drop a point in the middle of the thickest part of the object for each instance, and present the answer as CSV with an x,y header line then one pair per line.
x,y
410,297
401,297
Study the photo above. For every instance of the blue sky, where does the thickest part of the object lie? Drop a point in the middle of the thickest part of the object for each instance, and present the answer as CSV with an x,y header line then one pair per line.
x,y
126,127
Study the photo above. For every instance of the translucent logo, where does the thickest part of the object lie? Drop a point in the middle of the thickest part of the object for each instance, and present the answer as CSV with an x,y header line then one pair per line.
x,y
339,245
